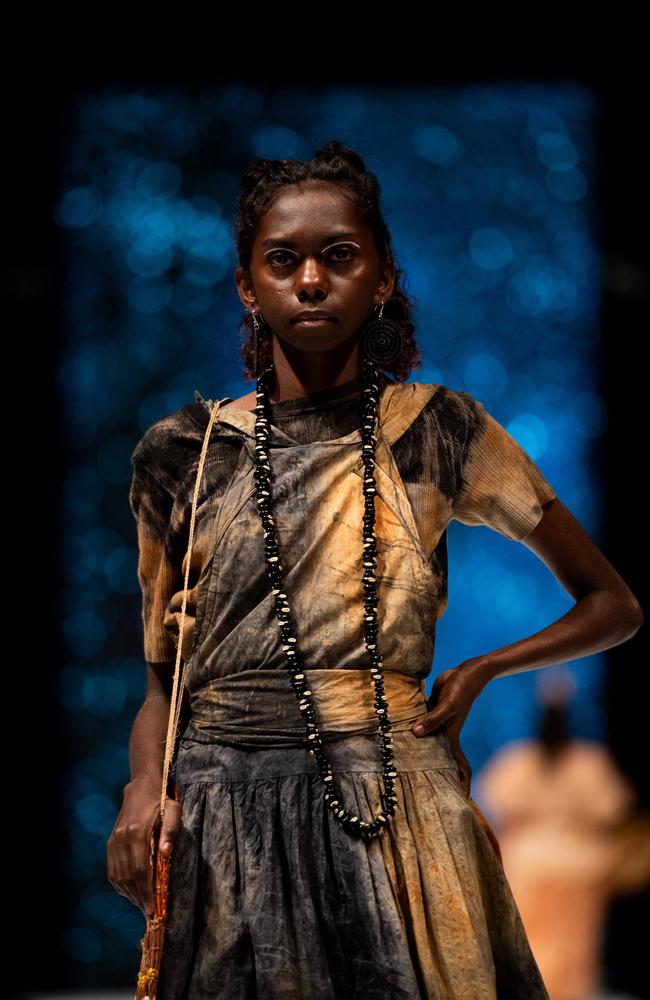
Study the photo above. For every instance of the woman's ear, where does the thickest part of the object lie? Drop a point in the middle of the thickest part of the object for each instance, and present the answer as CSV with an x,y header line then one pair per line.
x,y
245,288
388,279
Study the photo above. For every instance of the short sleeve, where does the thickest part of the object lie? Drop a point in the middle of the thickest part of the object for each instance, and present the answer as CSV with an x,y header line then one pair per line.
x,y
159,578
500,486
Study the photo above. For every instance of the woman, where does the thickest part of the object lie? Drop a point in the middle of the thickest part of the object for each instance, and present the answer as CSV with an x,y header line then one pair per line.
x,y
299,591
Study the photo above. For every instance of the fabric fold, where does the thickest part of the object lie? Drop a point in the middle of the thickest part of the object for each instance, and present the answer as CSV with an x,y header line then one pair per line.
x,y
260,708
427,903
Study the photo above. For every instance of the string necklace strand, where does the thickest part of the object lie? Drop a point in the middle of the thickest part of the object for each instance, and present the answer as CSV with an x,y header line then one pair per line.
x,y
348,820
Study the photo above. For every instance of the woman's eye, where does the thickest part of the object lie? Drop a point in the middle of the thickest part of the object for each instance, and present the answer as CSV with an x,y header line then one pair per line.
x,y
278,253
344,250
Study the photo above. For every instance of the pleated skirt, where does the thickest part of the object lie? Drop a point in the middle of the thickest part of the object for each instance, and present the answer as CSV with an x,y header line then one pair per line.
x,y
269,897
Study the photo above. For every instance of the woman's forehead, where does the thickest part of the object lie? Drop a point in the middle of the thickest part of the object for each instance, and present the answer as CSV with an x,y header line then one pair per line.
x,y
306,211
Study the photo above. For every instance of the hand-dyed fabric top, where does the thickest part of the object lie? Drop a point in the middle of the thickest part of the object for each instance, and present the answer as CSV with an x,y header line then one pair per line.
x,y
268,895
440,456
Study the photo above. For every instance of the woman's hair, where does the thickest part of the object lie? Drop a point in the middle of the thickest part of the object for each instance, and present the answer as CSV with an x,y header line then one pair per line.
x,y
338,165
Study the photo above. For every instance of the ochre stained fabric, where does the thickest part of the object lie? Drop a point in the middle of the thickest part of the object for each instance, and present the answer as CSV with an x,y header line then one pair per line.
x,y
269,897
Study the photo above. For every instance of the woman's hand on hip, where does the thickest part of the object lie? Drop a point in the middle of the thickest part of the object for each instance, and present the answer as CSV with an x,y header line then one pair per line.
x,y
453,693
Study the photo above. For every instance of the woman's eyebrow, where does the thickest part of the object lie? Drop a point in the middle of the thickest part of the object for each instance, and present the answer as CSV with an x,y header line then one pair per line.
x,y
291,243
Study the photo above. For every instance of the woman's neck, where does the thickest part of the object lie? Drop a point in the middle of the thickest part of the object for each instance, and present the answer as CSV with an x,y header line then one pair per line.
x,y
309,373
318,399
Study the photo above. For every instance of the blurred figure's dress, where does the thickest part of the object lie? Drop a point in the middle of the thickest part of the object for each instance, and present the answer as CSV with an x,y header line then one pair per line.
x,y
555,823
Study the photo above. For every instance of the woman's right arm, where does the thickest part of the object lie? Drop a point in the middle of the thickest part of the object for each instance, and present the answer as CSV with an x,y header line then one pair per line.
x,y
129,843
151,496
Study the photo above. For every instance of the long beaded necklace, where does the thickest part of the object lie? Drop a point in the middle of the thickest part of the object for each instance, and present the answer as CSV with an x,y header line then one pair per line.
x,y
350,822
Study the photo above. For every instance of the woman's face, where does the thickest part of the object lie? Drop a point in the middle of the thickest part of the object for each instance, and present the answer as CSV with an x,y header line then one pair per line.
x,y
314,251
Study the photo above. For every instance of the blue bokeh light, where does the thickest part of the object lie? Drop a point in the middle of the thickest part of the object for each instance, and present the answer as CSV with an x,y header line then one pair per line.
x,y
79,207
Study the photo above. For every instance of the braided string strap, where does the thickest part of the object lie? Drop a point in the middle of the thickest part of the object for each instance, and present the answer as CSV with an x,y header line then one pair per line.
x,y
152,943
177,689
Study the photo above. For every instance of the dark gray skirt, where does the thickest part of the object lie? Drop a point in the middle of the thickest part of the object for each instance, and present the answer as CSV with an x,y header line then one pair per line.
x,y
270,898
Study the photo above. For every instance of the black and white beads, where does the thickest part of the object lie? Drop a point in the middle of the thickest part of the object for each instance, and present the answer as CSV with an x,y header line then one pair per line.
x,y
347,819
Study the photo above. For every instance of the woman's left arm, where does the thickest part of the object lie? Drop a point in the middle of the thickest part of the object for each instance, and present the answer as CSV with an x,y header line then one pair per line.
x,y
606,613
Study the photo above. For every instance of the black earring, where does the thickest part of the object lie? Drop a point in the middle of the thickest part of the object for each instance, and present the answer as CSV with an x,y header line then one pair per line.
x,y
255,343
382,340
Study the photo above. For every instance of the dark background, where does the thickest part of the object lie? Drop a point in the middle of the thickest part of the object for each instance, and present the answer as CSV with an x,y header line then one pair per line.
x,y
38,749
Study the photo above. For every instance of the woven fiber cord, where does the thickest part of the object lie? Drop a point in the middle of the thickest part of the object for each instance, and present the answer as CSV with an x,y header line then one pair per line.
x,y
177,689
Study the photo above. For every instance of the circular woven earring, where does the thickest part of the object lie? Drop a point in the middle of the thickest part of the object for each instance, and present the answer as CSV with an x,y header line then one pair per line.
x,y
382,340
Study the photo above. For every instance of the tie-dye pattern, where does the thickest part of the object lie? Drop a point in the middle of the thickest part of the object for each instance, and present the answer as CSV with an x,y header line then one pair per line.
x,y
268,896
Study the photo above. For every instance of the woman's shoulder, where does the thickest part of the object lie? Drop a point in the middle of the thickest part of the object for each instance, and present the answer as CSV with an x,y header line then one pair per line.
x,y
167,431
446,406
171,445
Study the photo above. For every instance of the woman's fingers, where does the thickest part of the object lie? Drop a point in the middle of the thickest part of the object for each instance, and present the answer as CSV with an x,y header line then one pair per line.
x,y
431,721
439,682
134,869
170,826
129,848
144,876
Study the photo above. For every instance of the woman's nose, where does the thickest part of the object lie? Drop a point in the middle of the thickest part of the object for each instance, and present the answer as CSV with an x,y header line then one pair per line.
x,y
311,272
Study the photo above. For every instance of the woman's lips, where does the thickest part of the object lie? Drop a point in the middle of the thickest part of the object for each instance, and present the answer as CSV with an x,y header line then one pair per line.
x,y
314,322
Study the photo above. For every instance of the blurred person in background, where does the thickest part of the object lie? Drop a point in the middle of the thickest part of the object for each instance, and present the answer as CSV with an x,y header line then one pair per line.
x,y
570,839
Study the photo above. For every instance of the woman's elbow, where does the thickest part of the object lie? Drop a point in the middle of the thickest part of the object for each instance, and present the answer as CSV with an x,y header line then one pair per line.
x,y
629,612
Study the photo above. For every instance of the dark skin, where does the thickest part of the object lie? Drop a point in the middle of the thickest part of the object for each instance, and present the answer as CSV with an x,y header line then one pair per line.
x,y
298,262
301,261
606,613
127,847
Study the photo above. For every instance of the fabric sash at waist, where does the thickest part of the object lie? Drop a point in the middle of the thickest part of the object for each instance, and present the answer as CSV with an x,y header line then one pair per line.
x,y
260,707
